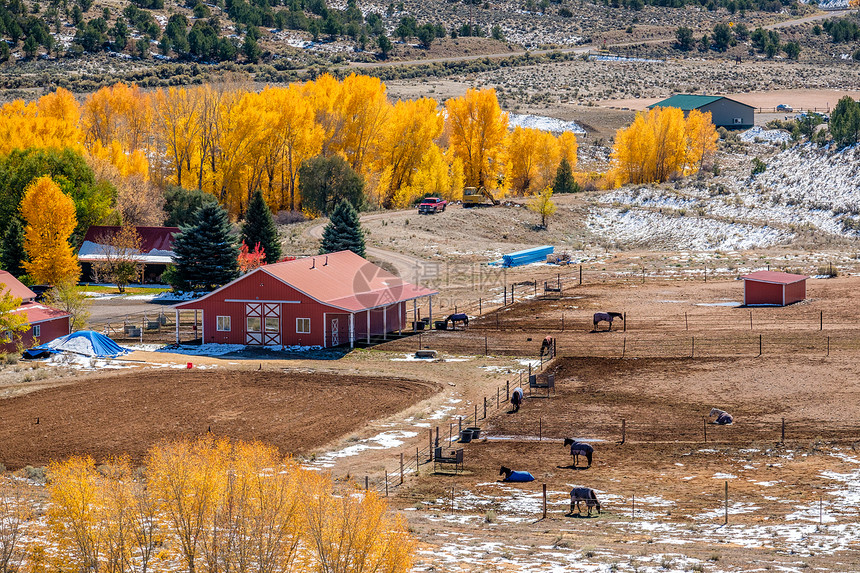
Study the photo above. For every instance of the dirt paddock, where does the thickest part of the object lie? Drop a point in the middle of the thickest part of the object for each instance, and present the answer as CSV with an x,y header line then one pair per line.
x,y
127,414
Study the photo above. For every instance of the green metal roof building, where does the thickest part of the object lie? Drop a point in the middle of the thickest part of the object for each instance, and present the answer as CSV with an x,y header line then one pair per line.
x,y
725,112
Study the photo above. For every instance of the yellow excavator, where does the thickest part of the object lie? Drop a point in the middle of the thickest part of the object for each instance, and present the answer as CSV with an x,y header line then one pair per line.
x,y
475,197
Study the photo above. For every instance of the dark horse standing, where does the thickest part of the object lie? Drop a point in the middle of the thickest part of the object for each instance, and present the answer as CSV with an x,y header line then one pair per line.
x,y
606,317
517,398
547,346
585,494
579,449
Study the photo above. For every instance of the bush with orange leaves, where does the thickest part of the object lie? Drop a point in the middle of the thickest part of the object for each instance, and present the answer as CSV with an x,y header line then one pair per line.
x,y
215,506
662,143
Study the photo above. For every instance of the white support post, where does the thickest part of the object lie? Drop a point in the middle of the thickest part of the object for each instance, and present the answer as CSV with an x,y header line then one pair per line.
x,y
430,312
351,330
414,314
368,325
401,308
325,325
177,327
202,328
385,321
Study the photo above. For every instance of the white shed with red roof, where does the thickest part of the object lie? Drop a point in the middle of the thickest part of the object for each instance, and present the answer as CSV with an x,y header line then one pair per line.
x,y
773,288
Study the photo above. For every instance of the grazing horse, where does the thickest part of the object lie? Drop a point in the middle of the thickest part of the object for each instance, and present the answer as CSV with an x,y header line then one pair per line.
x,y
547,346
606,317
585,494
579,449
517,398
723,417
511,475
455,318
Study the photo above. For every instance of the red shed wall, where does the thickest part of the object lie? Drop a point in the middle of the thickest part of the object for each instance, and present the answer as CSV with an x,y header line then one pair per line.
x,y
795,292
756,292
50,329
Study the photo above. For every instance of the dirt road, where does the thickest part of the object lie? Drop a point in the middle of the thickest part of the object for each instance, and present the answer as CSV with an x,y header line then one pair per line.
x,y
408,267
579,49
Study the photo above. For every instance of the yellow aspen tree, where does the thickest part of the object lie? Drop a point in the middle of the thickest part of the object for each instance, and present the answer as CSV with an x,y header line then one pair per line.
x,y
241,130
324,94
118,112
353,533
522,150
50,217
74,513
11,325
568,147
176,118
543,205
188,478
409,134
702,140
363,109
476,129
548,159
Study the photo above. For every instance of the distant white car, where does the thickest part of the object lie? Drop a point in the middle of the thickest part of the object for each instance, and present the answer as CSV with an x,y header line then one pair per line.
x,y
784,107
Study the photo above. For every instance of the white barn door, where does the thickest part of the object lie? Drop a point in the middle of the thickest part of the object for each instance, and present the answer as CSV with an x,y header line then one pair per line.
x,y
335,332
263,323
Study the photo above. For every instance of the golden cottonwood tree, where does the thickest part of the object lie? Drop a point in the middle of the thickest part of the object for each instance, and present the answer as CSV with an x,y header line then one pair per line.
x,y
543,205
50,217
476,130
52,121
12,324
363,110
661,143
407,139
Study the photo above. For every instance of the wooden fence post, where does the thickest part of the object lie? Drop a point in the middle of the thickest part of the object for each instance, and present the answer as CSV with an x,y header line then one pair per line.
x,y
624,347
686,322
544,501
507,390
540,430
759,344
692,346
782,434
633,508
386,483
366,483
705,428
580,275
485,408
821,321
727,502
624,320
623,430
751,327
401,470
480,309
828,346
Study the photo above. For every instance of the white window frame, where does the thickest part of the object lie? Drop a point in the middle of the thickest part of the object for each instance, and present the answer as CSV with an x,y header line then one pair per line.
x,y
298,327
248,324
274,319
37,330
218,323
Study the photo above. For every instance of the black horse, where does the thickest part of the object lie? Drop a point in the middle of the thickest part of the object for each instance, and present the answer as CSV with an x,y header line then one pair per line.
x,y
579,449
585,494
606,317
517,397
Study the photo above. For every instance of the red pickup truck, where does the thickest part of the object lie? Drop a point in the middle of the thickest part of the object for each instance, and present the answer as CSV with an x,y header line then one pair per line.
x,y
432,205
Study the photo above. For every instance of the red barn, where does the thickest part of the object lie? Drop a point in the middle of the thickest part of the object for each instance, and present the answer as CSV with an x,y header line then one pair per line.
x,y
772,287
45,323
326,300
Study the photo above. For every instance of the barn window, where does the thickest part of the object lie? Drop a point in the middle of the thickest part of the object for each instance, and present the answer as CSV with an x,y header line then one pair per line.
x,y
273,324
37,330
303,326
223,324
254,324
738,120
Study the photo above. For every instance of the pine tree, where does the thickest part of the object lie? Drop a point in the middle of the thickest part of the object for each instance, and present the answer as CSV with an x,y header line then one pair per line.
x,y
205,252
12,253
259,228
343,231
564,181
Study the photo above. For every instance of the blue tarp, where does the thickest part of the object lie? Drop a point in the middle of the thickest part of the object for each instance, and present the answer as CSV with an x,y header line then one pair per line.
x,y
528,256
520,476
84,342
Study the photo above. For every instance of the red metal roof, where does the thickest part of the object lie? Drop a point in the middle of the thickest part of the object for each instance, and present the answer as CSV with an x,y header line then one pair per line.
x,y
774,277
342,280
36,312
152,238
15,287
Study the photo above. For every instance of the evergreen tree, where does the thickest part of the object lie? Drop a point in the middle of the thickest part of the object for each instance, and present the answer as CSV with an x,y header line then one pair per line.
x,y
564,181
205,253
260,228
12,251
343,231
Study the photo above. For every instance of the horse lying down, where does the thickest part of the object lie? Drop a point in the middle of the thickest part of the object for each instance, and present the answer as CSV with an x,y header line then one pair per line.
x,y
586,494
723,417
511,475
579,449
